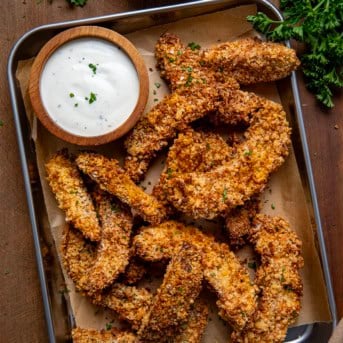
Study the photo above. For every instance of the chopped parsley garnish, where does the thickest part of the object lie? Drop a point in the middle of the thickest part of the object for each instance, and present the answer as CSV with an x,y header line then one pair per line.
x,y
179,52
92,98
189,80
154,92
93,67
208,146
71,95
189,69
224,195
80,3
76,105
155,99
64,290
115,208
157,85
252,265
282,278
247,153
1,123
272,206
169,172
108,326
171,59
194,46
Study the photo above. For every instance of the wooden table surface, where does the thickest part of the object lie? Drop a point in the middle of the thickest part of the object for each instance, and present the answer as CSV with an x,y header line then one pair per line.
x,y
21,312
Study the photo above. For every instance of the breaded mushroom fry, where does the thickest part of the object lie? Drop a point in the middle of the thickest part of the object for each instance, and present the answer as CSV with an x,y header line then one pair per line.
x,y
251,60
172,303
113,251
193,330
71,194
279,280
113,179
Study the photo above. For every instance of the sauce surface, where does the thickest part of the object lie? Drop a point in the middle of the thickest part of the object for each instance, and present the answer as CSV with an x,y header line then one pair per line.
x,y
89,87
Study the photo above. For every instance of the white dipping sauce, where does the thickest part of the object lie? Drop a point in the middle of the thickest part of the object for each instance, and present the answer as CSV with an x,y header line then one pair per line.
x,y
89,87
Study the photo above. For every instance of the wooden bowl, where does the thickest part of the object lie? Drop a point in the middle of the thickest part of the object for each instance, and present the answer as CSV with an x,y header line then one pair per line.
x,y
93,32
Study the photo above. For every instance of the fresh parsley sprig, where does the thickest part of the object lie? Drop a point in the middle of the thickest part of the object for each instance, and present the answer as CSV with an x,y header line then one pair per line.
x,y
319,24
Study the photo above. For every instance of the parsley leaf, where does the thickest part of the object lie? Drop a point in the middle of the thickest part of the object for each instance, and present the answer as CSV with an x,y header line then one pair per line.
x,y
92,98
194,46
318,24
93,67
80,3
224,195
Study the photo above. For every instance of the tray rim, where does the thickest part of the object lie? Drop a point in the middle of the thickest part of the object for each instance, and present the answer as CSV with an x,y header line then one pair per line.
x,y
128,14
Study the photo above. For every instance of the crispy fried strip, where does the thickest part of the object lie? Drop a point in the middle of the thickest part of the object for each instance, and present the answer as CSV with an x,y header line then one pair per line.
x,y
183,67
251,60
79,256
229,279
171,305
193,330
238,221
80,335
71,194
113,179
113,250
209,194
279,280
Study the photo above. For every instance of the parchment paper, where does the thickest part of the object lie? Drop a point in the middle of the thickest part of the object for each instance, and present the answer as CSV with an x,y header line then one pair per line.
x,y
284,191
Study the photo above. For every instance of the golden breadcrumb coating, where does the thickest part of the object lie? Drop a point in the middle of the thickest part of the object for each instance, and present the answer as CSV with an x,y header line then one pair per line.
x,y
209,194
134,272
113,250
222,270
239,220
161,124
131,303
193,330
80,335
279,280
251,60
183,66
71,194
192,151
79,256
180,287
197,151
113,179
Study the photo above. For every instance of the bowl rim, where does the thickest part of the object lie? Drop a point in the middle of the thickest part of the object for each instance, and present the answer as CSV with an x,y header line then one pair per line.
x,y
73,34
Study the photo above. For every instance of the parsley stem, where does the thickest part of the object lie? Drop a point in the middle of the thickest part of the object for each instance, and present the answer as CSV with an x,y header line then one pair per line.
x,y
321,3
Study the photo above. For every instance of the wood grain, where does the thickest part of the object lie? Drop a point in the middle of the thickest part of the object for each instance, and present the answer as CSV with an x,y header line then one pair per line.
x,y
90,32
21,313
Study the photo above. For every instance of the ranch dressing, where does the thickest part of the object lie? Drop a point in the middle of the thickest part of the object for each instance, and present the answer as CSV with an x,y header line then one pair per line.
x,y
89,87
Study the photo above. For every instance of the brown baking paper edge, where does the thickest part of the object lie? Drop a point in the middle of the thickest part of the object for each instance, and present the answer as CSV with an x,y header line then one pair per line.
x,y
284,190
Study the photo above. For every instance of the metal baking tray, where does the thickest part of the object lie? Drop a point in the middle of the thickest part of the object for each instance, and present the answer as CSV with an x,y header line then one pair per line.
x,y
59,318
